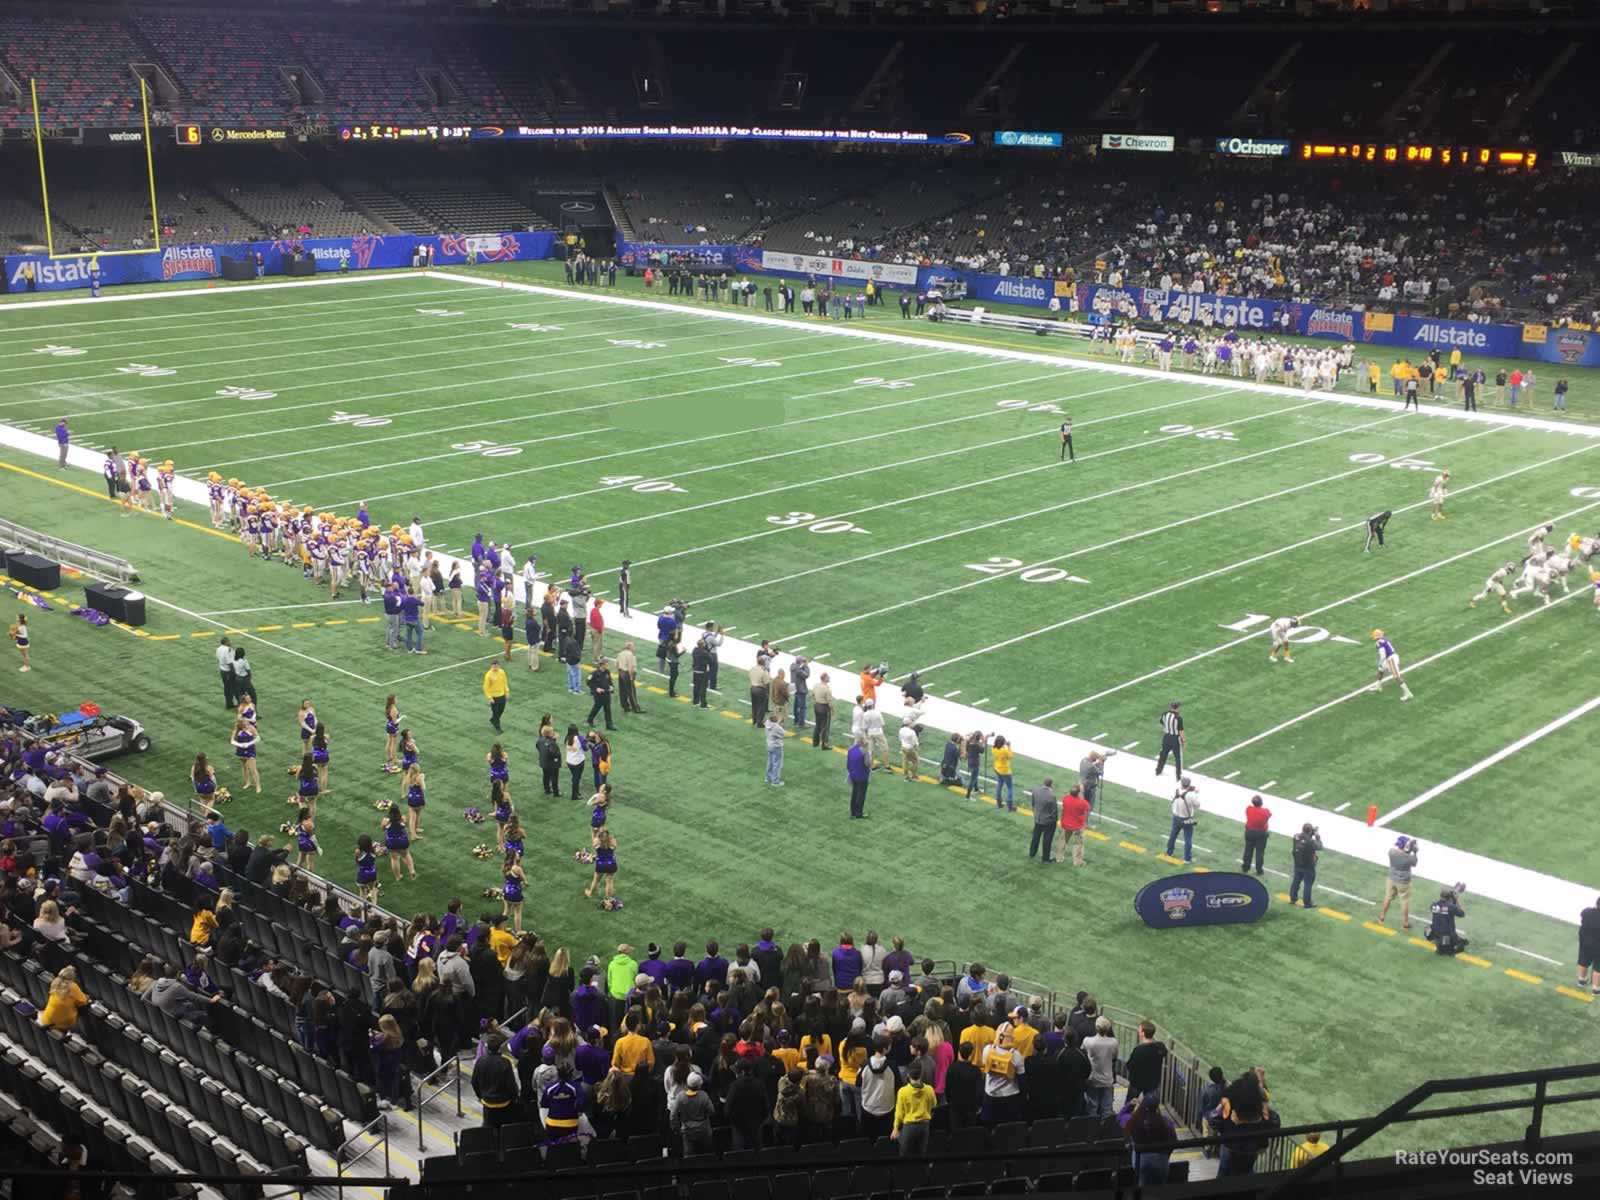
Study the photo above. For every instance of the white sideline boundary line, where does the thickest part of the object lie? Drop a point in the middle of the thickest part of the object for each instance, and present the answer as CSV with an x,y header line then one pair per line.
x,y
1009,354
1500,755
1343,600
1410,668
1546,895
182,293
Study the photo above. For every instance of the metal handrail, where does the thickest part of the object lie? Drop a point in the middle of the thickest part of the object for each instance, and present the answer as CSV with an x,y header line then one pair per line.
x,y
339,1162
424,1095
90,562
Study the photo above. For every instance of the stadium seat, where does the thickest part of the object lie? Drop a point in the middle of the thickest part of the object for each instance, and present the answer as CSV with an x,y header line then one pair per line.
x,y
563,1156
1094,1180
868,1181
1013,1135
606,1152
830,1184
709,1189
477,1141
643,1147
1082,1129
521,1136
1009,1185
1061,1181
971,1140
793,1185
1046,1133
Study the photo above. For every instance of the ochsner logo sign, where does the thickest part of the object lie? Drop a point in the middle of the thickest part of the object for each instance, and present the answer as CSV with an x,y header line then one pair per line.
x,y
1162,142
1253,147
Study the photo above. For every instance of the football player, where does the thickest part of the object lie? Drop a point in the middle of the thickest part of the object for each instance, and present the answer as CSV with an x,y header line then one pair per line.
x,y
1495,585
1388,665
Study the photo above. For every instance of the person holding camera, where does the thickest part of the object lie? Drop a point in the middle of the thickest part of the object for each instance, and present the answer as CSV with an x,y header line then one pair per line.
x,y
1442,922
1185,812
1306,845
1402,858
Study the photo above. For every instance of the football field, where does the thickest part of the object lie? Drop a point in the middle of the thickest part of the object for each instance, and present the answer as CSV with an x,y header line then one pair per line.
x,y
875,491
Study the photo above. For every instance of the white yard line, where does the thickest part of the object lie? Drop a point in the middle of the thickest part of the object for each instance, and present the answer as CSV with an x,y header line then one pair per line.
x,y
785,487
452,385
675,475
467,662
264,331
1343,600
258,638
1267,786
1411,668
1145,533
1230,774
655,397
984,482
1006,712
1339,809
1009,354
1131,745
1519,950
1483,764
174,293
1303,797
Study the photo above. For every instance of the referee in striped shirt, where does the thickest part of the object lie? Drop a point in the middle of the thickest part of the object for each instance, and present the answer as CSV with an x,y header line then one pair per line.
x,y
1172,739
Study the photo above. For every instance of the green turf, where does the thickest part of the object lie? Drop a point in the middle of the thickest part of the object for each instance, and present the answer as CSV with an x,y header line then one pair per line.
x,y
940,479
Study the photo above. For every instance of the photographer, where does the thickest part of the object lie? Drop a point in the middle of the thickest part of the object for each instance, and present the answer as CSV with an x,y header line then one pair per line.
x,y
1442,926
1306,845
1185,812
1402,858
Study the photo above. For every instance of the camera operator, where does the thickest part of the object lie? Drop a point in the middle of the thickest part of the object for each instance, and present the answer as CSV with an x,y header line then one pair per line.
x,y
1442,925
1185,812
1307,843
1402,858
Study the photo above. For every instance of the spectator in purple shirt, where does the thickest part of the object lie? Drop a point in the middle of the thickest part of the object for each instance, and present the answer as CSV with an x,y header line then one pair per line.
x,y
593,1059
713,967
680,971
653,966
589,1007
63,436
846,963
898,959
858,769
411,621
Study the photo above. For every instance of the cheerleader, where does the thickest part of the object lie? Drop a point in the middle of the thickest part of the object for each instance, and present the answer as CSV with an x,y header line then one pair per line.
x,y
245,741
408,754
308,725
18,633
397,843
319,755
204,776
305,840
512,880
514,838
306,793
501,799
391,729
599,804
605,864
247,705
366,870
416,798
599,757
499,767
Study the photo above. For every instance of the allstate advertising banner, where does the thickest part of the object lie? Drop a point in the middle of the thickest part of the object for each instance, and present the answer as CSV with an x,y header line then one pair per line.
x,y
196,261
1011,289
644,254
1170,304
1202,898
780,262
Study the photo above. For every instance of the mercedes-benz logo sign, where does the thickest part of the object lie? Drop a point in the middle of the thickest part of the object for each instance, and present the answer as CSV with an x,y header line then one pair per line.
x,y
217,134
577,206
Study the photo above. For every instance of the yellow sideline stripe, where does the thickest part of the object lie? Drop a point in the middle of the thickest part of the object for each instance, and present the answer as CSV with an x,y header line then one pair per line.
x,y
94,495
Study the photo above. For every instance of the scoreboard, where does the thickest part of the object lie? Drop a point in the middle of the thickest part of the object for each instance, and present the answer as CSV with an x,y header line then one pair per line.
x,y
1426,155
